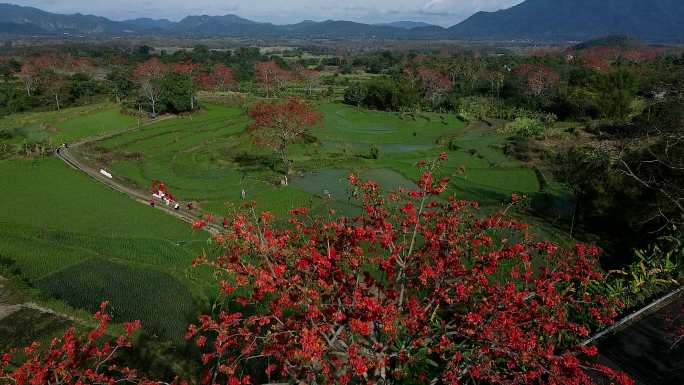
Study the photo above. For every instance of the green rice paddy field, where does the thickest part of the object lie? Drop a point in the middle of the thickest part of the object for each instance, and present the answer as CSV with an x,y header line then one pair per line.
x,y
80,242
210,158
67,125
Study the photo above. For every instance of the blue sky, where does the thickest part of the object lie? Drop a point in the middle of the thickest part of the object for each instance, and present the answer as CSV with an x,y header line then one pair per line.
x,y
442,12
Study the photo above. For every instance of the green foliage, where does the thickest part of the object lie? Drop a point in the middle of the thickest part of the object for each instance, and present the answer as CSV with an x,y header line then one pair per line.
x,y
82,88
120,82
616,92
655,270
475,108
355,94
374,152
383,94
14,100
177,92
525,128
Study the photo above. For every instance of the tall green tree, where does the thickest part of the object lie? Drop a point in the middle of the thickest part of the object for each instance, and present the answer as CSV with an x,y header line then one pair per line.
x,y
120,82
175,88
616,93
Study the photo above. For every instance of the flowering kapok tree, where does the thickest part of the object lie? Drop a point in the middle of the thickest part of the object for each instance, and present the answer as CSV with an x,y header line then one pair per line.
x,y
28,75
416,289
434,84
280,124
220,78
271,76
537,79
148,74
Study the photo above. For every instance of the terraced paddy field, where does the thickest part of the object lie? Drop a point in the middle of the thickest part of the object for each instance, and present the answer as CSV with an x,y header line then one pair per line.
x,y
211,157
79,242
67,125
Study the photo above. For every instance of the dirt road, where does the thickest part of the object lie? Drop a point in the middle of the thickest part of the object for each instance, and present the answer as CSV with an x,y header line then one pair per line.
x,y
142,197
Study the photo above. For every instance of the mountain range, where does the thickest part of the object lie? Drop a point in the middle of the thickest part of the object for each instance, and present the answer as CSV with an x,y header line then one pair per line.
x,y
538,20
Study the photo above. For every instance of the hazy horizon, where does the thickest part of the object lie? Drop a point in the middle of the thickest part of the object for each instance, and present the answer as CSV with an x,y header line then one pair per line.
x,y
439,12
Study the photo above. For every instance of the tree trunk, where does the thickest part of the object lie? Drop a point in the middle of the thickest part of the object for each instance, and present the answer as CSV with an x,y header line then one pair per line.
x,y
574,215
286,162
57,100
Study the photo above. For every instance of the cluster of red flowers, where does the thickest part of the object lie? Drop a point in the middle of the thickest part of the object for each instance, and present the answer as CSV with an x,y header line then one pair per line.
x,y
279,124
416,288
433,82
220,78
73,359
271,76
538,78
601,58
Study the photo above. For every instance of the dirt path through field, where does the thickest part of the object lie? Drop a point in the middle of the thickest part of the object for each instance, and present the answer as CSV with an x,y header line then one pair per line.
x,y
142,197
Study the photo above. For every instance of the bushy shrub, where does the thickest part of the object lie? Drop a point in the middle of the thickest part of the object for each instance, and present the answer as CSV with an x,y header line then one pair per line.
x,y
474,108
374,152
525,127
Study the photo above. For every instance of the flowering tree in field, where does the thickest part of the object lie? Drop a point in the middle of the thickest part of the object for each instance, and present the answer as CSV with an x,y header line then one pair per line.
x,y
279,124
537,78
414,290
270,76
410,75
434,84
643,54
599,58
45,69
31,69
81,64
54,83
220,78
417,288
28,74
310,78
148,74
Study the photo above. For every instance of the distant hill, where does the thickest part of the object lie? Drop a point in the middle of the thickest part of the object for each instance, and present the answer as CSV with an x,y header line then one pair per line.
x,y
538,20
407,24
150,24
228,25
652,20
615,41
31,21
14,19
